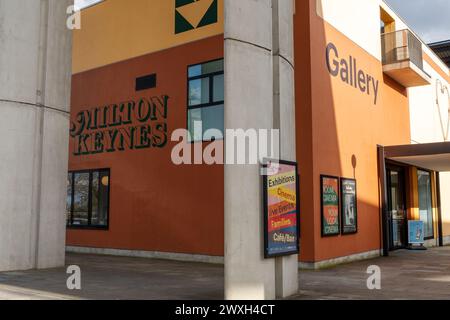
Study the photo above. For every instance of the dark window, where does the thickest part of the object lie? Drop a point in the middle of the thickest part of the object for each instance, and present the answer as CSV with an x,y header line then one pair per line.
x,y
382,27
146,82
206,100
87,204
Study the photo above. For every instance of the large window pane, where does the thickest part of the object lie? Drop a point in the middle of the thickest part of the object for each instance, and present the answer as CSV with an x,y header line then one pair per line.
x,y
208,118
87,203
195,71
198,91
100,187
212,67
194,120
69,198
213,118
218,95
425,202
205,101
205,68
94,190
81,199
104,198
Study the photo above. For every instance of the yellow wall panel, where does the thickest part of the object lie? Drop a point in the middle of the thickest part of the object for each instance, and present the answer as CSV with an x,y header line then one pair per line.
x,y
117,30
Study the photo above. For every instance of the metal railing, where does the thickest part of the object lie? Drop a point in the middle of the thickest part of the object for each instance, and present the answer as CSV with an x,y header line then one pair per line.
x,y
400,46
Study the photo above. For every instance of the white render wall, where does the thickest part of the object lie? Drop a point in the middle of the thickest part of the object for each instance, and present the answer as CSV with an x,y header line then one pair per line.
x,y
426,115
344,15
35,74
429,113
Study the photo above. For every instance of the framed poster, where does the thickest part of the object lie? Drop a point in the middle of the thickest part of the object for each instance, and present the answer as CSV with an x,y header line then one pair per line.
x,y
329,195
281,208
349,208
416,232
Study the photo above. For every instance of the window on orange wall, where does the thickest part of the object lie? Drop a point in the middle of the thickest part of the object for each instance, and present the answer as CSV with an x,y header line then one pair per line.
x,y
425,202
206,101
87,204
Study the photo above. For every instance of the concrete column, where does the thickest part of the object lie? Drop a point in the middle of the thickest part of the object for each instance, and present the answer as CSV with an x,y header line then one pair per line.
x,y
35,79
284,101
258,95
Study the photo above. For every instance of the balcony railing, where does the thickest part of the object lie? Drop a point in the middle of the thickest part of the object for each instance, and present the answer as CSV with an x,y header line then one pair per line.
x,y
400,46
403,58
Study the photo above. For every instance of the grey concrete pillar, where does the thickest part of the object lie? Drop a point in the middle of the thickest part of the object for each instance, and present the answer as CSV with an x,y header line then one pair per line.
x,y
259,94
284,104
35,77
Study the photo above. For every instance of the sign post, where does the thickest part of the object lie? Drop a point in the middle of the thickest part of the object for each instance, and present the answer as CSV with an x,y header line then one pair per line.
x,y
281,209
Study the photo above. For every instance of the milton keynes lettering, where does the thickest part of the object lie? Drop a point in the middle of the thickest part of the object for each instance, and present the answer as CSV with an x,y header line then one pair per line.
x,y
349,72
117,127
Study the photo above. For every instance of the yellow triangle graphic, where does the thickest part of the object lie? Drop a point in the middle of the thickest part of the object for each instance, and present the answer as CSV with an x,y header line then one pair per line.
x,y
195,11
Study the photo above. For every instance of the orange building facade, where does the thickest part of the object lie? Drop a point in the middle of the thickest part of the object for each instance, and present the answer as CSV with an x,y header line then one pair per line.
x,y
132,87
338,129
154,205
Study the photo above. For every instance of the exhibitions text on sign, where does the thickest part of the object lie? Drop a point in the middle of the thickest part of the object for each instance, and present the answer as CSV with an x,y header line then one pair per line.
x,y
281,209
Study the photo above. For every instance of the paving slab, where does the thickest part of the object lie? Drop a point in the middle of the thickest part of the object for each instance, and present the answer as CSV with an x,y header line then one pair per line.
x,y
404,275
118,278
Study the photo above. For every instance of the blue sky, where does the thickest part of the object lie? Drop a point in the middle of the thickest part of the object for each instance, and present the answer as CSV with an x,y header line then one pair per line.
x,y
85,3
430,19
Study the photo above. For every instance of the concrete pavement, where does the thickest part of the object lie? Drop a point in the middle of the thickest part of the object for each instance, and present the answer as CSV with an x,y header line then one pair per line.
x,y
404,275
111,278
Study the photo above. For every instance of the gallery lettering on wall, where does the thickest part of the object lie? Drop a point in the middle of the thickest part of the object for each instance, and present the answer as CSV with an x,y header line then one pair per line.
x,y
347,71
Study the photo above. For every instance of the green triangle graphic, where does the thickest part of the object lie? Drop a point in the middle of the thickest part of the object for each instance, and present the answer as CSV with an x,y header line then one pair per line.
x,y
210,16
180,3
181,24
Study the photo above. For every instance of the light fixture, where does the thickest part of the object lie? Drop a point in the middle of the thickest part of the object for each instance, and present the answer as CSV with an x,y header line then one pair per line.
x,y
105,181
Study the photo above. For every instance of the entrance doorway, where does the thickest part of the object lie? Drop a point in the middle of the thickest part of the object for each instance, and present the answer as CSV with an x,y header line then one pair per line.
x,y
397,207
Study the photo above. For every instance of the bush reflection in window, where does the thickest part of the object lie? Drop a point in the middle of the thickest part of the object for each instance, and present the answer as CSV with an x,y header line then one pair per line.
x,y
87,202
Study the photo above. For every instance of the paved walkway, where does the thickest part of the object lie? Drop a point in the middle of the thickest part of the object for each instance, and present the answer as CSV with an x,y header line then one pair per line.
x,y
405,275
111,278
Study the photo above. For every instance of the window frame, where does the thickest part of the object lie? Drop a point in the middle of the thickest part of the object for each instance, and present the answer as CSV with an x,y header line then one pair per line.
x,y
89,226
430,175
211,103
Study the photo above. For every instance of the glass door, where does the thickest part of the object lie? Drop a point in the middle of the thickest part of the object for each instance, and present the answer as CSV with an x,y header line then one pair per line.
x,y
396,207
425,202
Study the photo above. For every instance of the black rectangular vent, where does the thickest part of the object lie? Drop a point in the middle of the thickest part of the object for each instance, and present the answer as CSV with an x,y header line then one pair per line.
x,y
146,82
